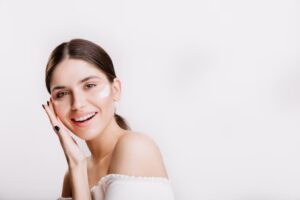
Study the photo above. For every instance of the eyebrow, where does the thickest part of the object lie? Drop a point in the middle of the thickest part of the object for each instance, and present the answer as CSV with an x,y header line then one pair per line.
x,y
81,81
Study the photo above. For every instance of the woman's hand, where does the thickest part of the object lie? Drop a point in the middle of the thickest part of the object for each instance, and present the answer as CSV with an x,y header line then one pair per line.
x,y
74,155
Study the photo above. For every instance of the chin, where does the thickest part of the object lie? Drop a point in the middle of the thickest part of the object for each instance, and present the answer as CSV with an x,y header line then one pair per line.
x,y
87,134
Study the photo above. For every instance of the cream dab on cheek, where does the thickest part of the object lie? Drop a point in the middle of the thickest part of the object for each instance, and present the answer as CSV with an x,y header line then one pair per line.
x,y
105,92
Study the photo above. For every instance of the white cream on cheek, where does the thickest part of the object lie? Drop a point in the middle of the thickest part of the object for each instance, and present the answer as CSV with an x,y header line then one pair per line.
x,y
105,92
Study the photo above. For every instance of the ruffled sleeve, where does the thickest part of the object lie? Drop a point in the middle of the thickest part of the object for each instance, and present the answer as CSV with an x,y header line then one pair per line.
x,y
64,198
119,187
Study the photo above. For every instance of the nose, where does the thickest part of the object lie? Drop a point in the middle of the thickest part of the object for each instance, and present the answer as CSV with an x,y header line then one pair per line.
x,y
78,101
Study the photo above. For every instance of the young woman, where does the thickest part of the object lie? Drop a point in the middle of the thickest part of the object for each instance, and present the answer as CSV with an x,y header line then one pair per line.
x,y
83,88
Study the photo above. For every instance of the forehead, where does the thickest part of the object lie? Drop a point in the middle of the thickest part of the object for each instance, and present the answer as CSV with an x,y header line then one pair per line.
x,y
70,71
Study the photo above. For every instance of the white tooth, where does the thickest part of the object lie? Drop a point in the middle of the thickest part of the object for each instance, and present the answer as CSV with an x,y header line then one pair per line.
x,y
84,117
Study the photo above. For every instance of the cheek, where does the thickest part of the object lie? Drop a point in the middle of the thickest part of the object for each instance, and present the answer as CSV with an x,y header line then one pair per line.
x,y
103,94
103,98
62,113
60,110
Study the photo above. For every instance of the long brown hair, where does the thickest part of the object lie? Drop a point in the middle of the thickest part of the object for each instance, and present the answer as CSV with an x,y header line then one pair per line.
x,y
89,52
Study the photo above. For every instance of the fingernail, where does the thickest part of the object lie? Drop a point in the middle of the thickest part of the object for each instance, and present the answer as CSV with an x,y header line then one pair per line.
x,y
56,128
48,103
43,106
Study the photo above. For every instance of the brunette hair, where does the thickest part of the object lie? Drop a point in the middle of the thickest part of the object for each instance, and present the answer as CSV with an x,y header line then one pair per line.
x,y
89,52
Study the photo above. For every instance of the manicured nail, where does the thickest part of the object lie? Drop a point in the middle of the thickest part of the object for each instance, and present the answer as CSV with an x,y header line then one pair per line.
x,y
43,106
56,128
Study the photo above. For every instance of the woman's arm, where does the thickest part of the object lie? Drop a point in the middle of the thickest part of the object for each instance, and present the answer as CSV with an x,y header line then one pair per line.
x,y
75,157
66,189
79,182
75,179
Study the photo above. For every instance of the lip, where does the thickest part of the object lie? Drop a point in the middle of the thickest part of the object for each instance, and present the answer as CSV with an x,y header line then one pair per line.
x,y
78,115
85,123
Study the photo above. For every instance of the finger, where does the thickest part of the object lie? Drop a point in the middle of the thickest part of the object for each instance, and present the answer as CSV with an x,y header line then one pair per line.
x,y
74,141
51,105
67,131
50,115
62,139
62,132
64,127
69,144
62,124
70,147
56,124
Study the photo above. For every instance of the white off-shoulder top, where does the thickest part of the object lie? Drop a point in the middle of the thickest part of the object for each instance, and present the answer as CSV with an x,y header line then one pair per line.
x,y
120,187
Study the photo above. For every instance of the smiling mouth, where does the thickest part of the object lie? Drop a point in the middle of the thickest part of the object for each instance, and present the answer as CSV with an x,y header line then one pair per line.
x,y
84,119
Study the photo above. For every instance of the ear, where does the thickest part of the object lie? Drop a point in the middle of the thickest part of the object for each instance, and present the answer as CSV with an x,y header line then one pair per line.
x,y
116,88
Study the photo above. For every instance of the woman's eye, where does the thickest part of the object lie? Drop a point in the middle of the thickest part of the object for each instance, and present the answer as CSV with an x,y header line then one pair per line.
x,y
90,85
61,94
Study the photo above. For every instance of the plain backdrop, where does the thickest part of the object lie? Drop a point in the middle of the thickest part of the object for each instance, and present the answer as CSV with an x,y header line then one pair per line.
x,y
215,83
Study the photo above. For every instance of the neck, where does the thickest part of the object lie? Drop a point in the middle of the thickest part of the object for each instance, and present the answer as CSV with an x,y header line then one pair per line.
x,y
104,143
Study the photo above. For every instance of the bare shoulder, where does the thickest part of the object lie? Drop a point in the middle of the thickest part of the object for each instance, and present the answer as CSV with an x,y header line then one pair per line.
x,y
136,154
66,190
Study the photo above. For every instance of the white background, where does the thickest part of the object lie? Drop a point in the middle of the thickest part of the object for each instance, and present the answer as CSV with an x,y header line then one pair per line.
x,y
215,83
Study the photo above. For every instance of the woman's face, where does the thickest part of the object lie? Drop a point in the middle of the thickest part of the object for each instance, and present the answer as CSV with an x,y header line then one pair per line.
x,y
83,98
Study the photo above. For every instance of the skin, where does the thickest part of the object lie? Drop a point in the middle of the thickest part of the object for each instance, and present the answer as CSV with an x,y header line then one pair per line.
x,y
113,149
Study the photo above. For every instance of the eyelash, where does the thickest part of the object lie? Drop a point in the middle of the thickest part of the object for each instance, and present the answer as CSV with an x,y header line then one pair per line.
x,y
94,85
58,95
